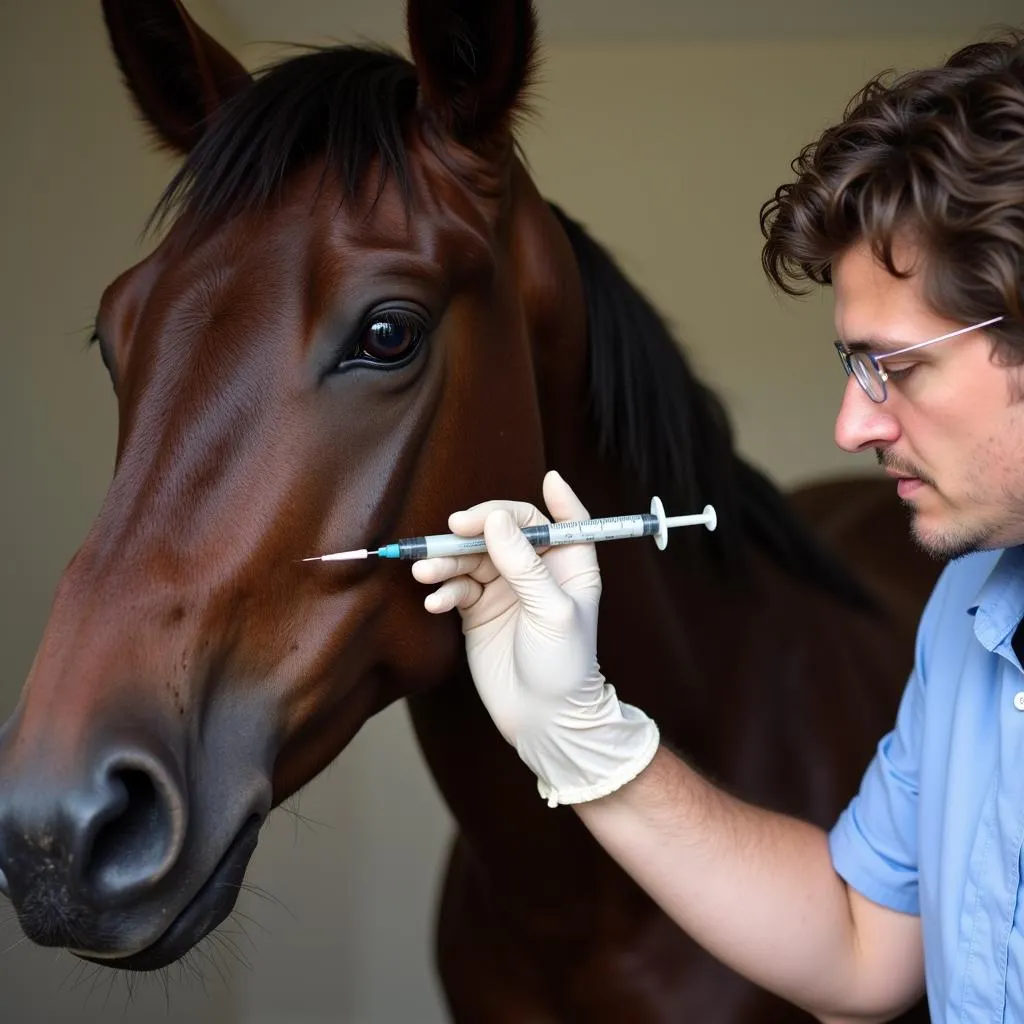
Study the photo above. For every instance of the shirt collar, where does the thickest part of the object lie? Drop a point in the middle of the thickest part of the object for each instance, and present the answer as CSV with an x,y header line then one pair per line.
x,y
998,606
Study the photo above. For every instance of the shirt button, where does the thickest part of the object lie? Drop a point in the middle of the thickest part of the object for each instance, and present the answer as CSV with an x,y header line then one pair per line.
x,y
1018,700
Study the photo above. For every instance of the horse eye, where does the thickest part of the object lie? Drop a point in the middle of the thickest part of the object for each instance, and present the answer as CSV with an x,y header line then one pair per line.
x,y
390,339
96,340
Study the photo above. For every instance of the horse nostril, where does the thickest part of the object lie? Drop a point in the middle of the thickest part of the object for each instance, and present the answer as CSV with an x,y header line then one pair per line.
x,y
138,832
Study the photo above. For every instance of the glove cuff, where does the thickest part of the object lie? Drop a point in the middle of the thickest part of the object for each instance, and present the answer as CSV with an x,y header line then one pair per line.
x,y
581,759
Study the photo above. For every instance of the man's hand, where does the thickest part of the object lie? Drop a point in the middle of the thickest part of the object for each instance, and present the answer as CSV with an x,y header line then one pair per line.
x,y
530,622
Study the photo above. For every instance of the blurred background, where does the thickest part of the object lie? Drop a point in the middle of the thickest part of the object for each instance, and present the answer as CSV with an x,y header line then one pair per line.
x,y
662,125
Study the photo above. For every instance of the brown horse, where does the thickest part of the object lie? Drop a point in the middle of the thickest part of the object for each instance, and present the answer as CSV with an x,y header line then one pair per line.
x,y
361,317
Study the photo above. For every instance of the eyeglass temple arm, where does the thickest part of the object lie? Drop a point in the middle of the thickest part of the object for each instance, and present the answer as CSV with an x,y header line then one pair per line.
x,y
932,341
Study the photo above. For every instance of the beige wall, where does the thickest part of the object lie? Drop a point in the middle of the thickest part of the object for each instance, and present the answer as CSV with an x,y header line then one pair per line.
x,y
665,152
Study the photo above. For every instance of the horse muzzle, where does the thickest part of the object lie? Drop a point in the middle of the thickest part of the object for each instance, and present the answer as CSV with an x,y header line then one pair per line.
x,y
121,861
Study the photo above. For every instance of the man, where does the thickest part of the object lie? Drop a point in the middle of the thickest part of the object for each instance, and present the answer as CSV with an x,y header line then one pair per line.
x,y
912,209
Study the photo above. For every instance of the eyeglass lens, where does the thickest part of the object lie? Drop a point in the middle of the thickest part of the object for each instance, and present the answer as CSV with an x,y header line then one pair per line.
x,y
867,376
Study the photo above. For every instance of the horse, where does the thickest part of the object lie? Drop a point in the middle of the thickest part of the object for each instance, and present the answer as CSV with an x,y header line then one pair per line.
x,y
360,316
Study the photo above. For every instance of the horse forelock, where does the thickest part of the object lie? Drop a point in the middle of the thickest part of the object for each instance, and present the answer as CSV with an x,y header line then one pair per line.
x,y
347,106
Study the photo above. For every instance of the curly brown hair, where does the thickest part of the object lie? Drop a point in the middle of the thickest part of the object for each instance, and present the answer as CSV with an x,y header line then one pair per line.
x,y
936,155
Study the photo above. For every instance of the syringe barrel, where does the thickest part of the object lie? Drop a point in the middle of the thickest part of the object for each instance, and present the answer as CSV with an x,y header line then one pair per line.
x,y
576,531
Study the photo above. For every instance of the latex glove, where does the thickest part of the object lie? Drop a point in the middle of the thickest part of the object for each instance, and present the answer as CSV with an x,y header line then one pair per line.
x,y
530,623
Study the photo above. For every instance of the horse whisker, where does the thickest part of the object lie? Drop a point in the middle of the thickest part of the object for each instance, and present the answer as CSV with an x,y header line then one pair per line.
x,y
14,945
268,896
76,968
110,988
251,920
188,964
217,956
304,818
198,972
95,975
228,943
165,980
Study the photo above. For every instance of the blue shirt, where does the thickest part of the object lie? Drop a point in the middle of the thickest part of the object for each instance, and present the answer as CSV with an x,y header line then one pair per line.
x,y
938,825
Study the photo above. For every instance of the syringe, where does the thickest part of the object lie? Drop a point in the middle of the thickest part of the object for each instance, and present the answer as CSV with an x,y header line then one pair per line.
x,y
578,531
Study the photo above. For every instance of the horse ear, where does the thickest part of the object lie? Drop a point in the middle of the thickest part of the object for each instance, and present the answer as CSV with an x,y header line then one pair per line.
x,y
474,59
177,74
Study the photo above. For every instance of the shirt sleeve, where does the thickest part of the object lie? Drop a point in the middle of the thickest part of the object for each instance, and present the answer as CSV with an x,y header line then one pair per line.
x,y
874,842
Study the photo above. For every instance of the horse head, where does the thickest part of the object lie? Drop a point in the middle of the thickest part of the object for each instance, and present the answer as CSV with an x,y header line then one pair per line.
x,y
354,275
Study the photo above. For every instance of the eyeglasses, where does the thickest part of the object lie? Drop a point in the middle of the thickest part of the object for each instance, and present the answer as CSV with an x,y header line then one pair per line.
x,y
868,370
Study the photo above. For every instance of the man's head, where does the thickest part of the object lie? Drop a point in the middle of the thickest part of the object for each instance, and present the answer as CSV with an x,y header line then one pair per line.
x,y
913,209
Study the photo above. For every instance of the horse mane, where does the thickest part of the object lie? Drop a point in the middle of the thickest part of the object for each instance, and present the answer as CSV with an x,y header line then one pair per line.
x,y
671,432
350,106
346,105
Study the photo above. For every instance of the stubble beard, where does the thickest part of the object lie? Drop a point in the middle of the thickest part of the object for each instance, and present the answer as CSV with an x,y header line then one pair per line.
x,y
949,543
944,544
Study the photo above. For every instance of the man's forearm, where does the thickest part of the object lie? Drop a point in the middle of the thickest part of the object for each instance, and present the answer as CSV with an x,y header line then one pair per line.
x,y
756,889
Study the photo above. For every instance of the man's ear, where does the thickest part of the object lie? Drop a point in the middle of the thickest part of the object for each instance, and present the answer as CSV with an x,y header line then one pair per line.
x,y
177,74
474,59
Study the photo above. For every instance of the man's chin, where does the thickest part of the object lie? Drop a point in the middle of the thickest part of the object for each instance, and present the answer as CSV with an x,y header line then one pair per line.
x,y
946,543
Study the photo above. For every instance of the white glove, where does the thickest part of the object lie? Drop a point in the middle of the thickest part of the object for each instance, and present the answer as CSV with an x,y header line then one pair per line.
x,y
530,624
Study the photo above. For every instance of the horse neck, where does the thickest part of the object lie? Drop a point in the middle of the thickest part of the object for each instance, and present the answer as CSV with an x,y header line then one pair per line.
x,y
652,644
656,594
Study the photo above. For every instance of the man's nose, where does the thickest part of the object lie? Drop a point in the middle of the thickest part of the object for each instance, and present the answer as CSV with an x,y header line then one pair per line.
x,y
863,424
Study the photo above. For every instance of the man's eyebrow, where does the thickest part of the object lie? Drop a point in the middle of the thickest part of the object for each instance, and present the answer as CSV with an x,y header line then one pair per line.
x,y
878,346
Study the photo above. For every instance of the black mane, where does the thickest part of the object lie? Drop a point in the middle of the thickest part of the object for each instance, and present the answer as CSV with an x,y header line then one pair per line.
x,y
655,417
350,107
346,105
